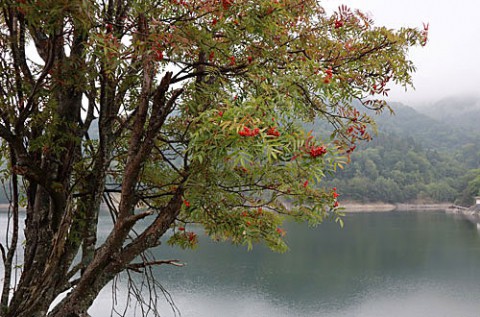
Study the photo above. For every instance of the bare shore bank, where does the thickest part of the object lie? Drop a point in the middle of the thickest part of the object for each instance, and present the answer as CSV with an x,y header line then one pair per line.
x,y
382,207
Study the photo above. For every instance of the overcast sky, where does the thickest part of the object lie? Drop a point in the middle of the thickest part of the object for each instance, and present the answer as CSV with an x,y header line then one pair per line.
x,y
450,63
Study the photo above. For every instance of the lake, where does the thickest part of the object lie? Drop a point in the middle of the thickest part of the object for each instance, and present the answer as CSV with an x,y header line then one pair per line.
x,y
379,264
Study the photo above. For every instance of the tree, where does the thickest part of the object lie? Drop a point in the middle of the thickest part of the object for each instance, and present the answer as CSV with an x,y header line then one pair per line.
x,y
198,107
470,184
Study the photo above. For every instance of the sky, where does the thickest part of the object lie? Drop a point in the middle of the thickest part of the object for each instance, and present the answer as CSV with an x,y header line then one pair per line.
x,y
449,65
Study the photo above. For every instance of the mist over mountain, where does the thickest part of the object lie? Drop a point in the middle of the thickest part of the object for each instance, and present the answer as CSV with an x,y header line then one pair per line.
x,y
442,129
432,132
462,111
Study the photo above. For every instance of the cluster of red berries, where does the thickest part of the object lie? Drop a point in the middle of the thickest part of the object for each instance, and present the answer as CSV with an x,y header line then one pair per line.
x,y
273,132
191,236
329,76
335,196
158,55
338,24
359,130
317,151
246,131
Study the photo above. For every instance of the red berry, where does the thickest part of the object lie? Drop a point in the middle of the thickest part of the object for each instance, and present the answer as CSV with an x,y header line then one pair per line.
x,y
281,232
273,132
318,151
158,55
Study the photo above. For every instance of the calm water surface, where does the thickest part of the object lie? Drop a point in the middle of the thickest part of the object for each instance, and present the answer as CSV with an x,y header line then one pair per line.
x,y
380,264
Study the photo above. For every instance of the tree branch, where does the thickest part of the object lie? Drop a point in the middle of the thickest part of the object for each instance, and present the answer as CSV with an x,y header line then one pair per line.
x,y
138,266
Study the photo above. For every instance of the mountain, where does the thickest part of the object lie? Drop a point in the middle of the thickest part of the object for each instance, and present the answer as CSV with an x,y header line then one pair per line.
x,y
462,112
434,132
415,157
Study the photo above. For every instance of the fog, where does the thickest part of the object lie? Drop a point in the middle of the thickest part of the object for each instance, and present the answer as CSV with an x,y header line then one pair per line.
x,y
448,65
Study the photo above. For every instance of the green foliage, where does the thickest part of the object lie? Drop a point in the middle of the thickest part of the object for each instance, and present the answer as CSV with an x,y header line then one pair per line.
x,y
200,110
471,187
247,73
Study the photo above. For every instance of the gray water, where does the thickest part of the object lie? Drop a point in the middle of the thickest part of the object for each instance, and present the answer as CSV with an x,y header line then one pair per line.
x,y
403,264
380,264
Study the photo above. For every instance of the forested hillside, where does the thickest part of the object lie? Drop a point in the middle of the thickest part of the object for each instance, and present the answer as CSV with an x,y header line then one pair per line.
x,y
415,158
427,156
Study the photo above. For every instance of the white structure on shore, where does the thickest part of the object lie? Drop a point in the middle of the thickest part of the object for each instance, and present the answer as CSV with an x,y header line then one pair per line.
x,y
476,207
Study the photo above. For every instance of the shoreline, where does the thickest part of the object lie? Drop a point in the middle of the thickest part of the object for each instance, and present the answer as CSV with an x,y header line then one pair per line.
x,y
366,207
350,207
469,214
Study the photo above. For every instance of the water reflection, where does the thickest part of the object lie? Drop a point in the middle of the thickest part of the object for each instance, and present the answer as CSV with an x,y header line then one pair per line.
x,y
385,264
388,264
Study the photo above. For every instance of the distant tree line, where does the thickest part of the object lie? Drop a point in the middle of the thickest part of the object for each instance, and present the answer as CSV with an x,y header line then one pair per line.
x,y
399,169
